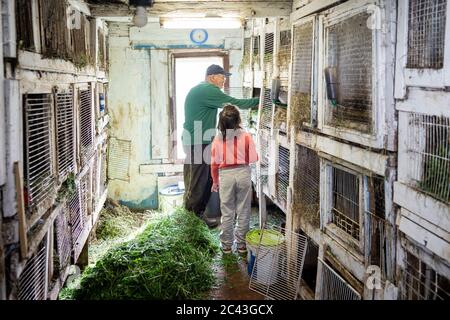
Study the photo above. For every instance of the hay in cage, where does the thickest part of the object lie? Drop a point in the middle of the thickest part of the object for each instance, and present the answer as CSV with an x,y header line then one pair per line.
x,y
351,118
309,212
279,120
301,109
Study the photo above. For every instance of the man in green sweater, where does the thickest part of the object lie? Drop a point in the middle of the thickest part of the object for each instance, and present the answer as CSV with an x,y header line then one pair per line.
x,y
200,114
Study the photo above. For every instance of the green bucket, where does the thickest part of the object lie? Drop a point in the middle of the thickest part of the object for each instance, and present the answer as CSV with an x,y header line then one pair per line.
x,y
269,242
270,238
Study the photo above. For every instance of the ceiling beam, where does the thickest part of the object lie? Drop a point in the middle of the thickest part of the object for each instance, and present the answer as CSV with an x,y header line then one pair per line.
x,y
244,9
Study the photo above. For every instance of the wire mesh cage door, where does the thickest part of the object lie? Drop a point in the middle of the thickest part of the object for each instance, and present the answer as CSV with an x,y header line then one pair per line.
x,y
426,34
119,153
246,63
64,105
267,110
428,146
420,281
282,178
77,220
278,263
264,161
269,51
306,189
349,61
63,239
284,56
33,281
39,168
333,286
376,228
345,210
301,82
86,123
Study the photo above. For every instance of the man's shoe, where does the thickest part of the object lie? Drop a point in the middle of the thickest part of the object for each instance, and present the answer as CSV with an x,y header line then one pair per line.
x,y
211,222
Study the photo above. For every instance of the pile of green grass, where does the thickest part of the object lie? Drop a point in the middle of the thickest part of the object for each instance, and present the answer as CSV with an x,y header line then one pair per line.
x,y
171,259
117,221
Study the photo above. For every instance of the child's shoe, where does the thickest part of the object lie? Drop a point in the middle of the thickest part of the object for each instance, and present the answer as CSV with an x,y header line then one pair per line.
x,y
242,249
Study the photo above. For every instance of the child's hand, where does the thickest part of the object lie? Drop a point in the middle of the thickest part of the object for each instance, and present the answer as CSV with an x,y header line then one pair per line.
x,y
215,187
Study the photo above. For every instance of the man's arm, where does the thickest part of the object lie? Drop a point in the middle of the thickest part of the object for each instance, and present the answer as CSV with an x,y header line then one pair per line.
x,y
216,99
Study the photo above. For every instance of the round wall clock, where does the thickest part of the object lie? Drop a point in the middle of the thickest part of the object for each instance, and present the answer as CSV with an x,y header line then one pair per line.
x,y
199,36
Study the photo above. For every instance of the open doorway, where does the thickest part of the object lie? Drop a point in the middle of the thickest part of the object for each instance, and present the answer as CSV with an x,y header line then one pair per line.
x,y
189,71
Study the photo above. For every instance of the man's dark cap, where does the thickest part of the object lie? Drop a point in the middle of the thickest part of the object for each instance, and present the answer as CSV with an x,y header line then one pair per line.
x,y
216,69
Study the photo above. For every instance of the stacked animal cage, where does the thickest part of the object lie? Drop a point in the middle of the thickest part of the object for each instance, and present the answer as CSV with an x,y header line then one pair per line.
x,y
355,101
356,206
424,144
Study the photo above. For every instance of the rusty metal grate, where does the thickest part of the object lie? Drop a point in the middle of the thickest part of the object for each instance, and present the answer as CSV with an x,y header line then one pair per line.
x,y
306,192
86,125
333,286
277,270
268,58
39,181
301,78
119,159
426,35
63,238
428,145
65,133
350,60
266,112
345,202
422,282
32,284
282,175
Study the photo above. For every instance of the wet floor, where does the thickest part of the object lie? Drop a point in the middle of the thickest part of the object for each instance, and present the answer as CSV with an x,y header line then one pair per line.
x,y
232,279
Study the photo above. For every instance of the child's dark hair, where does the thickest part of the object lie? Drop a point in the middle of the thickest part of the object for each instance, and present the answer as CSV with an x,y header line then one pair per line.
x,y
229,119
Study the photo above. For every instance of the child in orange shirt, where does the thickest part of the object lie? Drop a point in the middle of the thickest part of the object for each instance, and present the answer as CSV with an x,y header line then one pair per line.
x,y
233,150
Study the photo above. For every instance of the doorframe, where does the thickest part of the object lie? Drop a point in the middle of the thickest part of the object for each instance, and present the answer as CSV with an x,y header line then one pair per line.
x,y
176,54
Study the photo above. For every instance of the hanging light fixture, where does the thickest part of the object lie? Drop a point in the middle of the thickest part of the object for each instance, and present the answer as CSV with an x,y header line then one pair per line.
x,y
140,18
